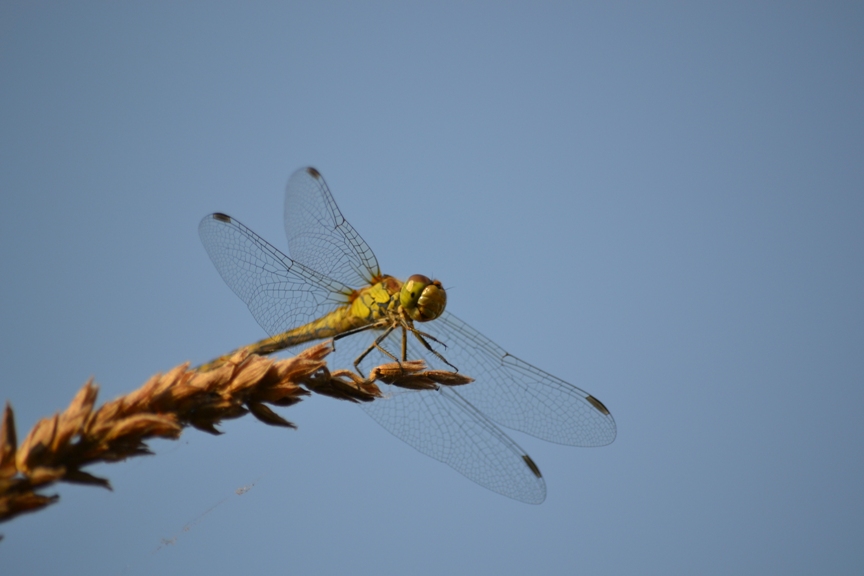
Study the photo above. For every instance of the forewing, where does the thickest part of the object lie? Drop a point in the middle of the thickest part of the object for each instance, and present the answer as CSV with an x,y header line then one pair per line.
x,y
514,393
280,292
320,237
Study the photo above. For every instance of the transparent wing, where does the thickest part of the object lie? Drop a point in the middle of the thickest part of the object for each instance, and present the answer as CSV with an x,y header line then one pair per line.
x,y
514,393
320,237
442,424
280,292
509,391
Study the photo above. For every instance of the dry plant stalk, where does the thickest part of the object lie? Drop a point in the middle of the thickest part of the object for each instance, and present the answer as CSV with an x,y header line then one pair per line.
x,y
57,448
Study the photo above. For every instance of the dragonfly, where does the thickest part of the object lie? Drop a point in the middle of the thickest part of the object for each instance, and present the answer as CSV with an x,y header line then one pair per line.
x,y
331,287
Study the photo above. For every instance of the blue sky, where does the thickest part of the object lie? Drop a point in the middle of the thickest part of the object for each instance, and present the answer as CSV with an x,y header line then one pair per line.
x,y
661,203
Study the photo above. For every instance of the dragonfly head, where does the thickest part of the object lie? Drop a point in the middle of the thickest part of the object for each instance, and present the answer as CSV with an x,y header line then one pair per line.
x,y
423,299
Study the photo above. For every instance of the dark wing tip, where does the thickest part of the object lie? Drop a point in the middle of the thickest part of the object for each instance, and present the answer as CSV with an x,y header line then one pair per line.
x,y
313,172
221,217
597,404
530,463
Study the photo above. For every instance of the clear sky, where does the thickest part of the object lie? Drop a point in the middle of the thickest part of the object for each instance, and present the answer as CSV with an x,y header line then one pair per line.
x,y
663,204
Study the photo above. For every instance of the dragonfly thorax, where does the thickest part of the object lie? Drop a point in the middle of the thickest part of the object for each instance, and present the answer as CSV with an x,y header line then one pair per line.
x,y
422,299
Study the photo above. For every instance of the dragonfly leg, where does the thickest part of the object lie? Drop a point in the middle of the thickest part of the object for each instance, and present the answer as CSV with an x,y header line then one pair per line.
x,y
359,329
429,336
421,336
408,324
373,346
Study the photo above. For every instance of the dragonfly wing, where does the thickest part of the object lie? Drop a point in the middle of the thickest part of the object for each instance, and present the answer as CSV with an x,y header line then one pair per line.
x,y
280,292
514,393
320,237
441,424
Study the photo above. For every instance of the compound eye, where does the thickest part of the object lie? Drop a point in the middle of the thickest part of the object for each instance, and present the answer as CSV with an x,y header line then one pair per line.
x,y
423,299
